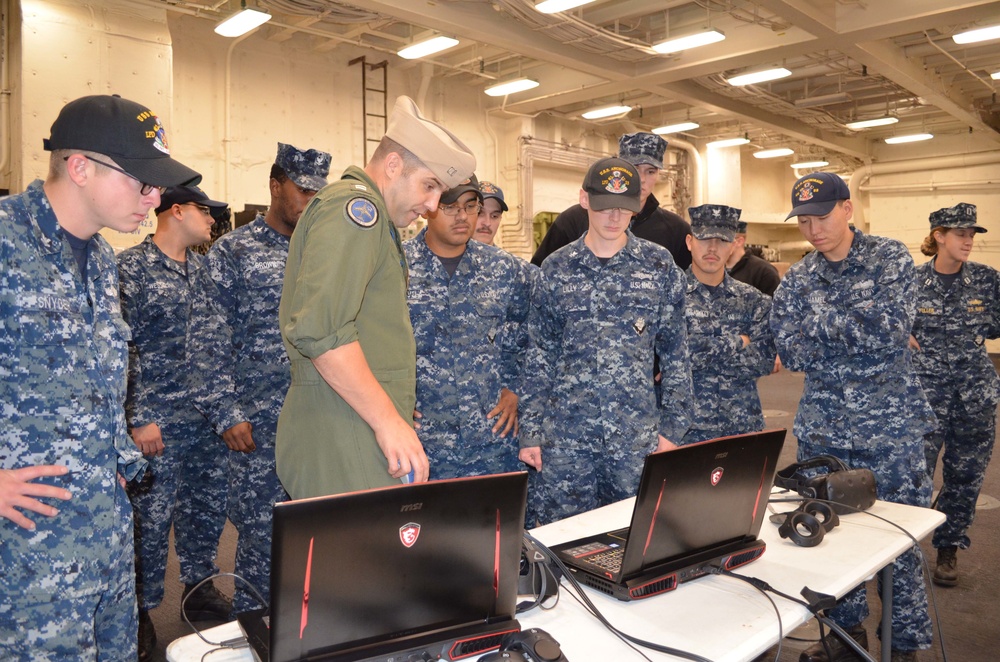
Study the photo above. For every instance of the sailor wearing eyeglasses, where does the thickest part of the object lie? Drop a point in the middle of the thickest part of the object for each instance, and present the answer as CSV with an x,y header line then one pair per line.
x,y
187,482
468,305
67,575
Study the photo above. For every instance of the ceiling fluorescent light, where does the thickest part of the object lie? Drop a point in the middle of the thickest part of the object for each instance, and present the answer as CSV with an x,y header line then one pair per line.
x,y
912,138
728,142
242,22
773,153
676,44
811,164
553,6
511,87
758,77
867,124
676,128
982,34
995,75
427,47
823,100
607,111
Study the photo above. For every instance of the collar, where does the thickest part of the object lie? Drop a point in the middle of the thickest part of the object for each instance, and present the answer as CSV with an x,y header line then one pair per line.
x,y
579,252
652,204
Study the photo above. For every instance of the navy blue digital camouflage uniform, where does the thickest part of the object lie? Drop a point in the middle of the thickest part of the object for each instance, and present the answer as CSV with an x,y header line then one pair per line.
x,y
186,485
951,326
847,326
471,335
68,585
589,398
725,372
237,346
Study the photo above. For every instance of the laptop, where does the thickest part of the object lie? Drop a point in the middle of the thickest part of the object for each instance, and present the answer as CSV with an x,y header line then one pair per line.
x,y
426,569
699,507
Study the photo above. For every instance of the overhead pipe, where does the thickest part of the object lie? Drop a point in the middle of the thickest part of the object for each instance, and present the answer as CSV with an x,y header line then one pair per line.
x,y
860,176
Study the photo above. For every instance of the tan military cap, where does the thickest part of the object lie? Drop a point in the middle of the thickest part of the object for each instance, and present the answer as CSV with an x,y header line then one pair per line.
x,y
439,149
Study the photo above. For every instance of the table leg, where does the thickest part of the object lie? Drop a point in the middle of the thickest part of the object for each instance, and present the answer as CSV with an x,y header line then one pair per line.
x,y
887,613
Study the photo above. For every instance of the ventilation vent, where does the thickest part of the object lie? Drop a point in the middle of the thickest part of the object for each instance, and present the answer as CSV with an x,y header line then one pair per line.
x,y
477,645
736,560
661,586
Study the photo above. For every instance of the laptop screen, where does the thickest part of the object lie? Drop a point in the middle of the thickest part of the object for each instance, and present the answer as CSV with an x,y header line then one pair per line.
x,y
354,569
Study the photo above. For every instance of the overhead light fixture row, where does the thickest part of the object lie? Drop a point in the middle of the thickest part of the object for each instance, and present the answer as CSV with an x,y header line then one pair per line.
x,y
675,128
773,153
980,34
995,75
867,124
607,111
912,138
242,22
810,164
554,6
511,87
677,44
728,142
755,77
823,100
427,47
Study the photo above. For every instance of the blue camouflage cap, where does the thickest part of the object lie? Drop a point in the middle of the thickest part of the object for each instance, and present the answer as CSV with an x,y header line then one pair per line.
x,y
962,215
741,227
642,149
308,169
714,222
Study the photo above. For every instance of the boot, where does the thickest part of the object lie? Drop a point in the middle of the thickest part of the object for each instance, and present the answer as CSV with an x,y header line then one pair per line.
x,y
147,636
946,572
839,651
205,604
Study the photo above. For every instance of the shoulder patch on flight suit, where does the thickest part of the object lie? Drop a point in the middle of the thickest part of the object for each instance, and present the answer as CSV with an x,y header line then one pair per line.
x,y
362,211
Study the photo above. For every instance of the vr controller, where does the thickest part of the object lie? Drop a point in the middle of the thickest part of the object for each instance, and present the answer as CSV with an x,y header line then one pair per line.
x,y
531,645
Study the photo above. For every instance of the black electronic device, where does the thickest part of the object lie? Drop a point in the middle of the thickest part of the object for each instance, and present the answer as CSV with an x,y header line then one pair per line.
x,y
807,524
848,490
426,571
699,507
533,645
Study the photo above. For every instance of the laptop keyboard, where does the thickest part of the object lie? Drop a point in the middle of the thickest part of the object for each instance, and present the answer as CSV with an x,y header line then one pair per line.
x,y
610,560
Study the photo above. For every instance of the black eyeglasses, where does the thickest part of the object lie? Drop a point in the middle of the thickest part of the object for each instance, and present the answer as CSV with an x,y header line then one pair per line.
x,y
202,208
471,208
144,189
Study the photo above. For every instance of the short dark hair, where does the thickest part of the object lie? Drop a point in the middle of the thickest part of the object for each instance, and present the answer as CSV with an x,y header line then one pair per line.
x,y
387,145
278,173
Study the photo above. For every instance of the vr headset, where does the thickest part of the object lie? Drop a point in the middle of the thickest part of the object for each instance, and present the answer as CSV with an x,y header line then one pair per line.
x,y
848,490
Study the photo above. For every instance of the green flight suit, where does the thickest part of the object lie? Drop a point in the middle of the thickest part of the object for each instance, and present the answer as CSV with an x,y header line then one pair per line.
x,y
345,281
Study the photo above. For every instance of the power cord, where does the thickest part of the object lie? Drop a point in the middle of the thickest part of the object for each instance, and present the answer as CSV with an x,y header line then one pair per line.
x,y
581,597
228,644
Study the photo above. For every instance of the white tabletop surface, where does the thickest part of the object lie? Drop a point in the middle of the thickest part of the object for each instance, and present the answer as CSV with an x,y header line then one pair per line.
x,y
720,618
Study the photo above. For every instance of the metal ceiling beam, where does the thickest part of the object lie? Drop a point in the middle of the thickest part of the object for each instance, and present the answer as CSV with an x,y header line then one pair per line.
x,y
856,147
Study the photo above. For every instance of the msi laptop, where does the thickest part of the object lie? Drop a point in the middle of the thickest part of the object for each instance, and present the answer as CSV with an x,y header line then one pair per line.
x,y
699,506
420,571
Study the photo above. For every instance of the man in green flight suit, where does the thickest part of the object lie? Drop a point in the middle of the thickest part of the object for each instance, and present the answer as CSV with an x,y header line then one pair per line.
x,y
347,420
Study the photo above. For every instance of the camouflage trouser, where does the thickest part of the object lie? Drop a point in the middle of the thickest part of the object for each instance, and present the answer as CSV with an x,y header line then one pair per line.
x,y
186,487
588,471
901,478
254,488
101,626
967,438
454,455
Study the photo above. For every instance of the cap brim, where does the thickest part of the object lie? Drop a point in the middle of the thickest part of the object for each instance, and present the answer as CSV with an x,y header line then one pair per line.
x,y
163,171
705,235
643,160
503,205
601,202
454,194
812,209
308,182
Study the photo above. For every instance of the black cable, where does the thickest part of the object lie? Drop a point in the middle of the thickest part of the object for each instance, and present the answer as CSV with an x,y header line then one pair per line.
x,y
228,643
589,606
916,546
